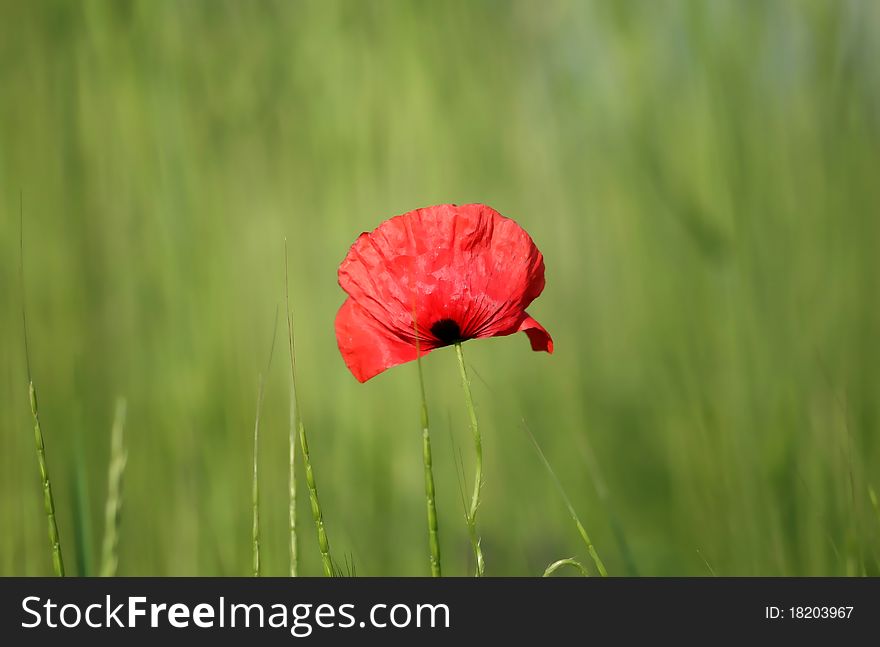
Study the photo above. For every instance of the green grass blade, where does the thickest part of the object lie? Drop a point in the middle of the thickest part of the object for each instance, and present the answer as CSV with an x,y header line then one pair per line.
x,y
595,472
113,506
569,561
709,566
571,511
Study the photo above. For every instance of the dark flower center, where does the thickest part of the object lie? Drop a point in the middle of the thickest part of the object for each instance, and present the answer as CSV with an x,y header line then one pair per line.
x,y
446,331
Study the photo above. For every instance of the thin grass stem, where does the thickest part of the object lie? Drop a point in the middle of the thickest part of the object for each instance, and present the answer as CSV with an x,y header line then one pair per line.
x,y
255,485
604,498
600,566
478,479
113,506
709,566
295,425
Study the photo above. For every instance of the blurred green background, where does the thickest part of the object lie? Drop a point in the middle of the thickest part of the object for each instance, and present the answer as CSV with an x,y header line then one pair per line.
x,y
702,177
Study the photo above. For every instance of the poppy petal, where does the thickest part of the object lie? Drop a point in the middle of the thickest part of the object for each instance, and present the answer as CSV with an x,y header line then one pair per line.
x,y
540,338
367,346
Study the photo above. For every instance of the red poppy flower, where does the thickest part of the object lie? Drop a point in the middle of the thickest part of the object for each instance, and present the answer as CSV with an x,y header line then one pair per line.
x,y
450,272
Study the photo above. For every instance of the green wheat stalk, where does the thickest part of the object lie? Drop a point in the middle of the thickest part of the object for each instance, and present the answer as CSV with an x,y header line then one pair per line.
x,y
571,511
433,531
255,485
113,507
471,516
569,561
317,514
48,499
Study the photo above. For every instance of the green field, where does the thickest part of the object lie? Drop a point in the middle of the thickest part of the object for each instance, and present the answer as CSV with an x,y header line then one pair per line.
x,y
703,179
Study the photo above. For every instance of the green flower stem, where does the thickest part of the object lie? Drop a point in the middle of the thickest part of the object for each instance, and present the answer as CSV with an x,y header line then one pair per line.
x,y
433,532
478,479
